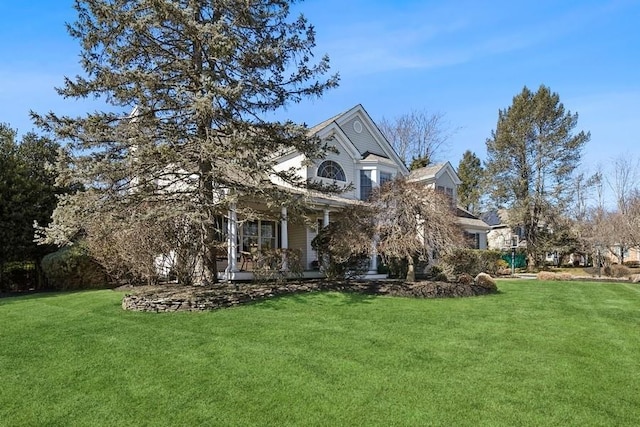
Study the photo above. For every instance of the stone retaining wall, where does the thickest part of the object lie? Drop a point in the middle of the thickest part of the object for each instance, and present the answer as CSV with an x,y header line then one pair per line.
x,y
195,298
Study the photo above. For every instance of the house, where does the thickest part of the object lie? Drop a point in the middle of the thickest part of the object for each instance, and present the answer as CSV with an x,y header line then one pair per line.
x,y
501,236
363,160
443,178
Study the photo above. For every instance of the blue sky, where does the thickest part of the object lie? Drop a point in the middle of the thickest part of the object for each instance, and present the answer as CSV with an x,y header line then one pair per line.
x,y
466,59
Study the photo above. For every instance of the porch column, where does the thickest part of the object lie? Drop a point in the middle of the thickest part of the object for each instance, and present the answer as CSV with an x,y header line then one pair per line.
x,y
373,262
284,237
324,262
232,240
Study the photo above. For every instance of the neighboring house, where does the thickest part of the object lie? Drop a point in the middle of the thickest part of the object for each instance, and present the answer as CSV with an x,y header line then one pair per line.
x,y
501,236
363,160
443,178
615,253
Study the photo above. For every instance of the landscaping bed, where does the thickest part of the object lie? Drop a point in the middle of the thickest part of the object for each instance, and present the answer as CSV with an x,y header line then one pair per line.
x,y
166,298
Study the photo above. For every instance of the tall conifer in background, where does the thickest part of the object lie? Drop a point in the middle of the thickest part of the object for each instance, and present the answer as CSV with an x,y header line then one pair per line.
x,y
470,172
531,157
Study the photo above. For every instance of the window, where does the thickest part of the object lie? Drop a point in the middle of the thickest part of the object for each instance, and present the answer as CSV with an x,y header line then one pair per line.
x,y
258,235
385,177
331,170
473,240
366,185
448,191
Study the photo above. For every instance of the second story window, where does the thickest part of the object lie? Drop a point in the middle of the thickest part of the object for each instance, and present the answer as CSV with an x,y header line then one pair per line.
x,y
331,170
448,191
366,185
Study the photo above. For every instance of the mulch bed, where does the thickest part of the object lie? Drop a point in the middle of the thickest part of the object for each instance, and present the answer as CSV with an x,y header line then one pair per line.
x,y
167,298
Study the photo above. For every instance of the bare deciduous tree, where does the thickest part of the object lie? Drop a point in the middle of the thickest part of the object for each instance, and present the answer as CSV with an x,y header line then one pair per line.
x,y
419,137
624,184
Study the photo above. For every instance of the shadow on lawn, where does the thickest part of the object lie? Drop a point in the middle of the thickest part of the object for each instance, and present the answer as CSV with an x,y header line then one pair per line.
x,y
7,298
331,297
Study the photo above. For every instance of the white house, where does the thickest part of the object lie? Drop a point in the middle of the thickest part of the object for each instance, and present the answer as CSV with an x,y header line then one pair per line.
x,y
363,159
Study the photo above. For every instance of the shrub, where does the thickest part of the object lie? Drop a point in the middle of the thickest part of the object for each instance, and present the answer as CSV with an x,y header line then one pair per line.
x,y
548,275
339,257
465,279
435,274
397,268
71,268
270,265
473,261
485,281
620,271
632,264
616,270
18,276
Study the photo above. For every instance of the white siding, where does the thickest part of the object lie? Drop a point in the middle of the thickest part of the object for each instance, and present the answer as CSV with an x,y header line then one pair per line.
x,y
293,162
298,241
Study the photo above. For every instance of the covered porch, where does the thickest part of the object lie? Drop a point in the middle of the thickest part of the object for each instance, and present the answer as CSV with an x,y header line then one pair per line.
x,y
250,241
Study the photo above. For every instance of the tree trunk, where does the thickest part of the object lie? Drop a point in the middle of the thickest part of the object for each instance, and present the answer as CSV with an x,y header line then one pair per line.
x,y
209,265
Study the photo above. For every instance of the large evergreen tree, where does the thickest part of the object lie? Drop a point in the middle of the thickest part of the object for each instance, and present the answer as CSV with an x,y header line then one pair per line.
x,y
530,160
470,172
202,76
27,193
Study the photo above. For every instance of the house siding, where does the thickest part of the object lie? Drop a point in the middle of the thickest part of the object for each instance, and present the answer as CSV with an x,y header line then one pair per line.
x,y
298,241
293,162
364,141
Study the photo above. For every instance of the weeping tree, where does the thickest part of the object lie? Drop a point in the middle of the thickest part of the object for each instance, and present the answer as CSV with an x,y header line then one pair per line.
x,y
404,221
531,157
188,85
414,223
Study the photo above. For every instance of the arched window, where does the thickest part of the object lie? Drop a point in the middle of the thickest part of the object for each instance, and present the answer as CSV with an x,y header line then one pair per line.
x,y
332,170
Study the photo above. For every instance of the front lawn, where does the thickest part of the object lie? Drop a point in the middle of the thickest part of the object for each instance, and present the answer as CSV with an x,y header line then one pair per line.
x,y
538,353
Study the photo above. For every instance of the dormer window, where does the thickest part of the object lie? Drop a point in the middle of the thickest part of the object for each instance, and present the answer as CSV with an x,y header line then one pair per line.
x,y
331,170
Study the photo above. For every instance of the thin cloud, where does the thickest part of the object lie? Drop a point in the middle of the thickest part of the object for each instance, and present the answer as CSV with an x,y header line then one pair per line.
x,y
400,42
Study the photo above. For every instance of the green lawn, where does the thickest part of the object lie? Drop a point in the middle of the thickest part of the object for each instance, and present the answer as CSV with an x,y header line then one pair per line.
x,y
538,353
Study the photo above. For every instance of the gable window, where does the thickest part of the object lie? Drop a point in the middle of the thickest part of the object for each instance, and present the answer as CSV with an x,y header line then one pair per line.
x,y
331,170
366,185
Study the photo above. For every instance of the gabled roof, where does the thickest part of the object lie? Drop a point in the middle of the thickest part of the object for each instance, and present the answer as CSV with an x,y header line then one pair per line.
x,y
469,220
433,172
495,218
334,125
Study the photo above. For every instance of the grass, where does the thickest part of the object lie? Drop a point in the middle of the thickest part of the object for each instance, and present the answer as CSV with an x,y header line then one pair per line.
x,y
538,353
